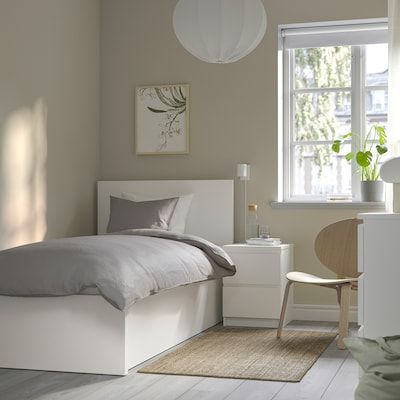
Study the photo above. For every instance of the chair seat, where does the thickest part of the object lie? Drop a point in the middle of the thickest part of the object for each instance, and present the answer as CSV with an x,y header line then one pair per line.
x,y
302,277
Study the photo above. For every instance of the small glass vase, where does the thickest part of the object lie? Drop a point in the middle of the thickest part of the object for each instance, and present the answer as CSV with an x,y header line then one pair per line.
x,y
252,225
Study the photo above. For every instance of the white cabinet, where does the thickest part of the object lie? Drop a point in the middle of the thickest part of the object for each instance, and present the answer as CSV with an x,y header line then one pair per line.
x,y
253,296
379,286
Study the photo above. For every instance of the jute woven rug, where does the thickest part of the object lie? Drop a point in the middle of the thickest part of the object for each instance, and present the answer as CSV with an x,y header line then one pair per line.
x,y
245,353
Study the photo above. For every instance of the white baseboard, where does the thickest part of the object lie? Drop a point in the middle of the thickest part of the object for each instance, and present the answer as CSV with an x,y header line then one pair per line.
x,y
251,322
314,312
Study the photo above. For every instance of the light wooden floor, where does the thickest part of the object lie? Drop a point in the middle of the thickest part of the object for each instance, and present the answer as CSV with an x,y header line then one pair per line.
x,y
334,376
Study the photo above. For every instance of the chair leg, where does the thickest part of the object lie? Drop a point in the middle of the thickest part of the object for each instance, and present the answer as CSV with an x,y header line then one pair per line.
x,y
344,315
339,293
284,305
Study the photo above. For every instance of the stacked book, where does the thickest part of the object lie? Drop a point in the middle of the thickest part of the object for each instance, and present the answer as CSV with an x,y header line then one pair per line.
x,y
264,241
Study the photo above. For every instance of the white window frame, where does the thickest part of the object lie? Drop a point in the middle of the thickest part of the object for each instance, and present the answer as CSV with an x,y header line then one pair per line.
x,y
286,106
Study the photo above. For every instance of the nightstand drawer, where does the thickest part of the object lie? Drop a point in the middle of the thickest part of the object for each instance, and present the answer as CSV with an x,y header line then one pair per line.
x,y
256,269
251,302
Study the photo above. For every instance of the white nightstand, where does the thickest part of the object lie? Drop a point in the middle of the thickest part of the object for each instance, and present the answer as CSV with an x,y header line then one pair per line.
x,y
253,296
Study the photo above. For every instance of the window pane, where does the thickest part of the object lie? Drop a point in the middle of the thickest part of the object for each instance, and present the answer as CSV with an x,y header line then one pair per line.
x,y
376,103
322,67
318,171
376,64
376,107
322,116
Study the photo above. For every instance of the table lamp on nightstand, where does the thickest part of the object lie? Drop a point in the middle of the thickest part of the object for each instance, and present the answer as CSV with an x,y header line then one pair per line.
x,y
243,173
390,173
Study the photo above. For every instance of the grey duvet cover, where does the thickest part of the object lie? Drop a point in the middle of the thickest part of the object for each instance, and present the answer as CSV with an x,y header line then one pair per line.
x,y
124,267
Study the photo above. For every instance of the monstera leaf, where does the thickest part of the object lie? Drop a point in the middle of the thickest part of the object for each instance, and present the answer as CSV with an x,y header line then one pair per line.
x,y
364,158
381,149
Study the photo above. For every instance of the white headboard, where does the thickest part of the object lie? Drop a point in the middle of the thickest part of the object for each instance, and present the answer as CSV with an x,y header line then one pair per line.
x,y
210,215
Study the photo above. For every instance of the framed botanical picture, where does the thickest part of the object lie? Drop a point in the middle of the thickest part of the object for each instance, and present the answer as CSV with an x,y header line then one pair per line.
x,y
162,119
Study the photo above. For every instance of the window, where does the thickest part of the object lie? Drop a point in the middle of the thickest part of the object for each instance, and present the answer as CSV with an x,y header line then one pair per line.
x,y
334,80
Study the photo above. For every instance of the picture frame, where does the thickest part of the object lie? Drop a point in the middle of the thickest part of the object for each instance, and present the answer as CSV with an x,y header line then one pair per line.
x,y
162,119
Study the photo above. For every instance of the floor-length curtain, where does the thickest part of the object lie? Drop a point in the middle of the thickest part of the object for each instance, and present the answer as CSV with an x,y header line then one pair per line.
x,y
394,88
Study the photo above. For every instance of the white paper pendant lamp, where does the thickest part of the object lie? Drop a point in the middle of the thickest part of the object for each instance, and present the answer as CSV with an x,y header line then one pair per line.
x,y
220,31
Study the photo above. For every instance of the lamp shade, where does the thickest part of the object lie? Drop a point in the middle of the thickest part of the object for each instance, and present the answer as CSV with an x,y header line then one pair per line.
x,y
219,31
243,172
390,170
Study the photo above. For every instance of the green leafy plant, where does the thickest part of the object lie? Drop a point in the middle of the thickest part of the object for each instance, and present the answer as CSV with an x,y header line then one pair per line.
x,y
371,149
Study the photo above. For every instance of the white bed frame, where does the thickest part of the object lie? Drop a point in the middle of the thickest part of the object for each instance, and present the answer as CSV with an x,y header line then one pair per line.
x,y
84,333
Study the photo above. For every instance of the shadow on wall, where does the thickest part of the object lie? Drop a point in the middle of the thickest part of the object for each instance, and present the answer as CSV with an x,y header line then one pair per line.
x,y
23,147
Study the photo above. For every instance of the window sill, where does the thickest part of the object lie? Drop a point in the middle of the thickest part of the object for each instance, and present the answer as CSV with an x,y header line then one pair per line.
x,y
328,204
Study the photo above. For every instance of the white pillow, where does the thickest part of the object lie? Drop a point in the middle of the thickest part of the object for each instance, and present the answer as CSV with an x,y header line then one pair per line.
x,y
178,219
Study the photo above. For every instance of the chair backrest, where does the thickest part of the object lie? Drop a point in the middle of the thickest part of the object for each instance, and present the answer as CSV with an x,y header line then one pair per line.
x,y
336,247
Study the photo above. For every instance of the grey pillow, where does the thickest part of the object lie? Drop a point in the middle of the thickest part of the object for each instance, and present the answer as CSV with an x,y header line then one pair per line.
x,y
127,214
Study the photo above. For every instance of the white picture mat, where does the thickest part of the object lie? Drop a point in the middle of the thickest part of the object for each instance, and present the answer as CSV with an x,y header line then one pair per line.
x,y
149,125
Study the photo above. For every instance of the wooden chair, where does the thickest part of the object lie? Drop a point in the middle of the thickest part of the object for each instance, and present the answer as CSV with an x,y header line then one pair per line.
x,y
336,248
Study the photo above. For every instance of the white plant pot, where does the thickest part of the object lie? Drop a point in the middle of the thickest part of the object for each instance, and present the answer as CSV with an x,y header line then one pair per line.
x,y
372,191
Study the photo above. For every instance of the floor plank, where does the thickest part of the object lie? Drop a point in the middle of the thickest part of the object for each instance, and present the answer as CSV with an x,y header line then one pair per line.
x,y
14,378
345,382
211,389
125,387
41,385
79,387
170,387
256,390
315,382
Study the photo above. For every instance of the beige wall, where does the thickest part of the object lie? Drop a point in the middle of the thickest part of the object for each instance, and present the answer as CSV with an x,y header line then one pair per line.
x,y
49,99
233,110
